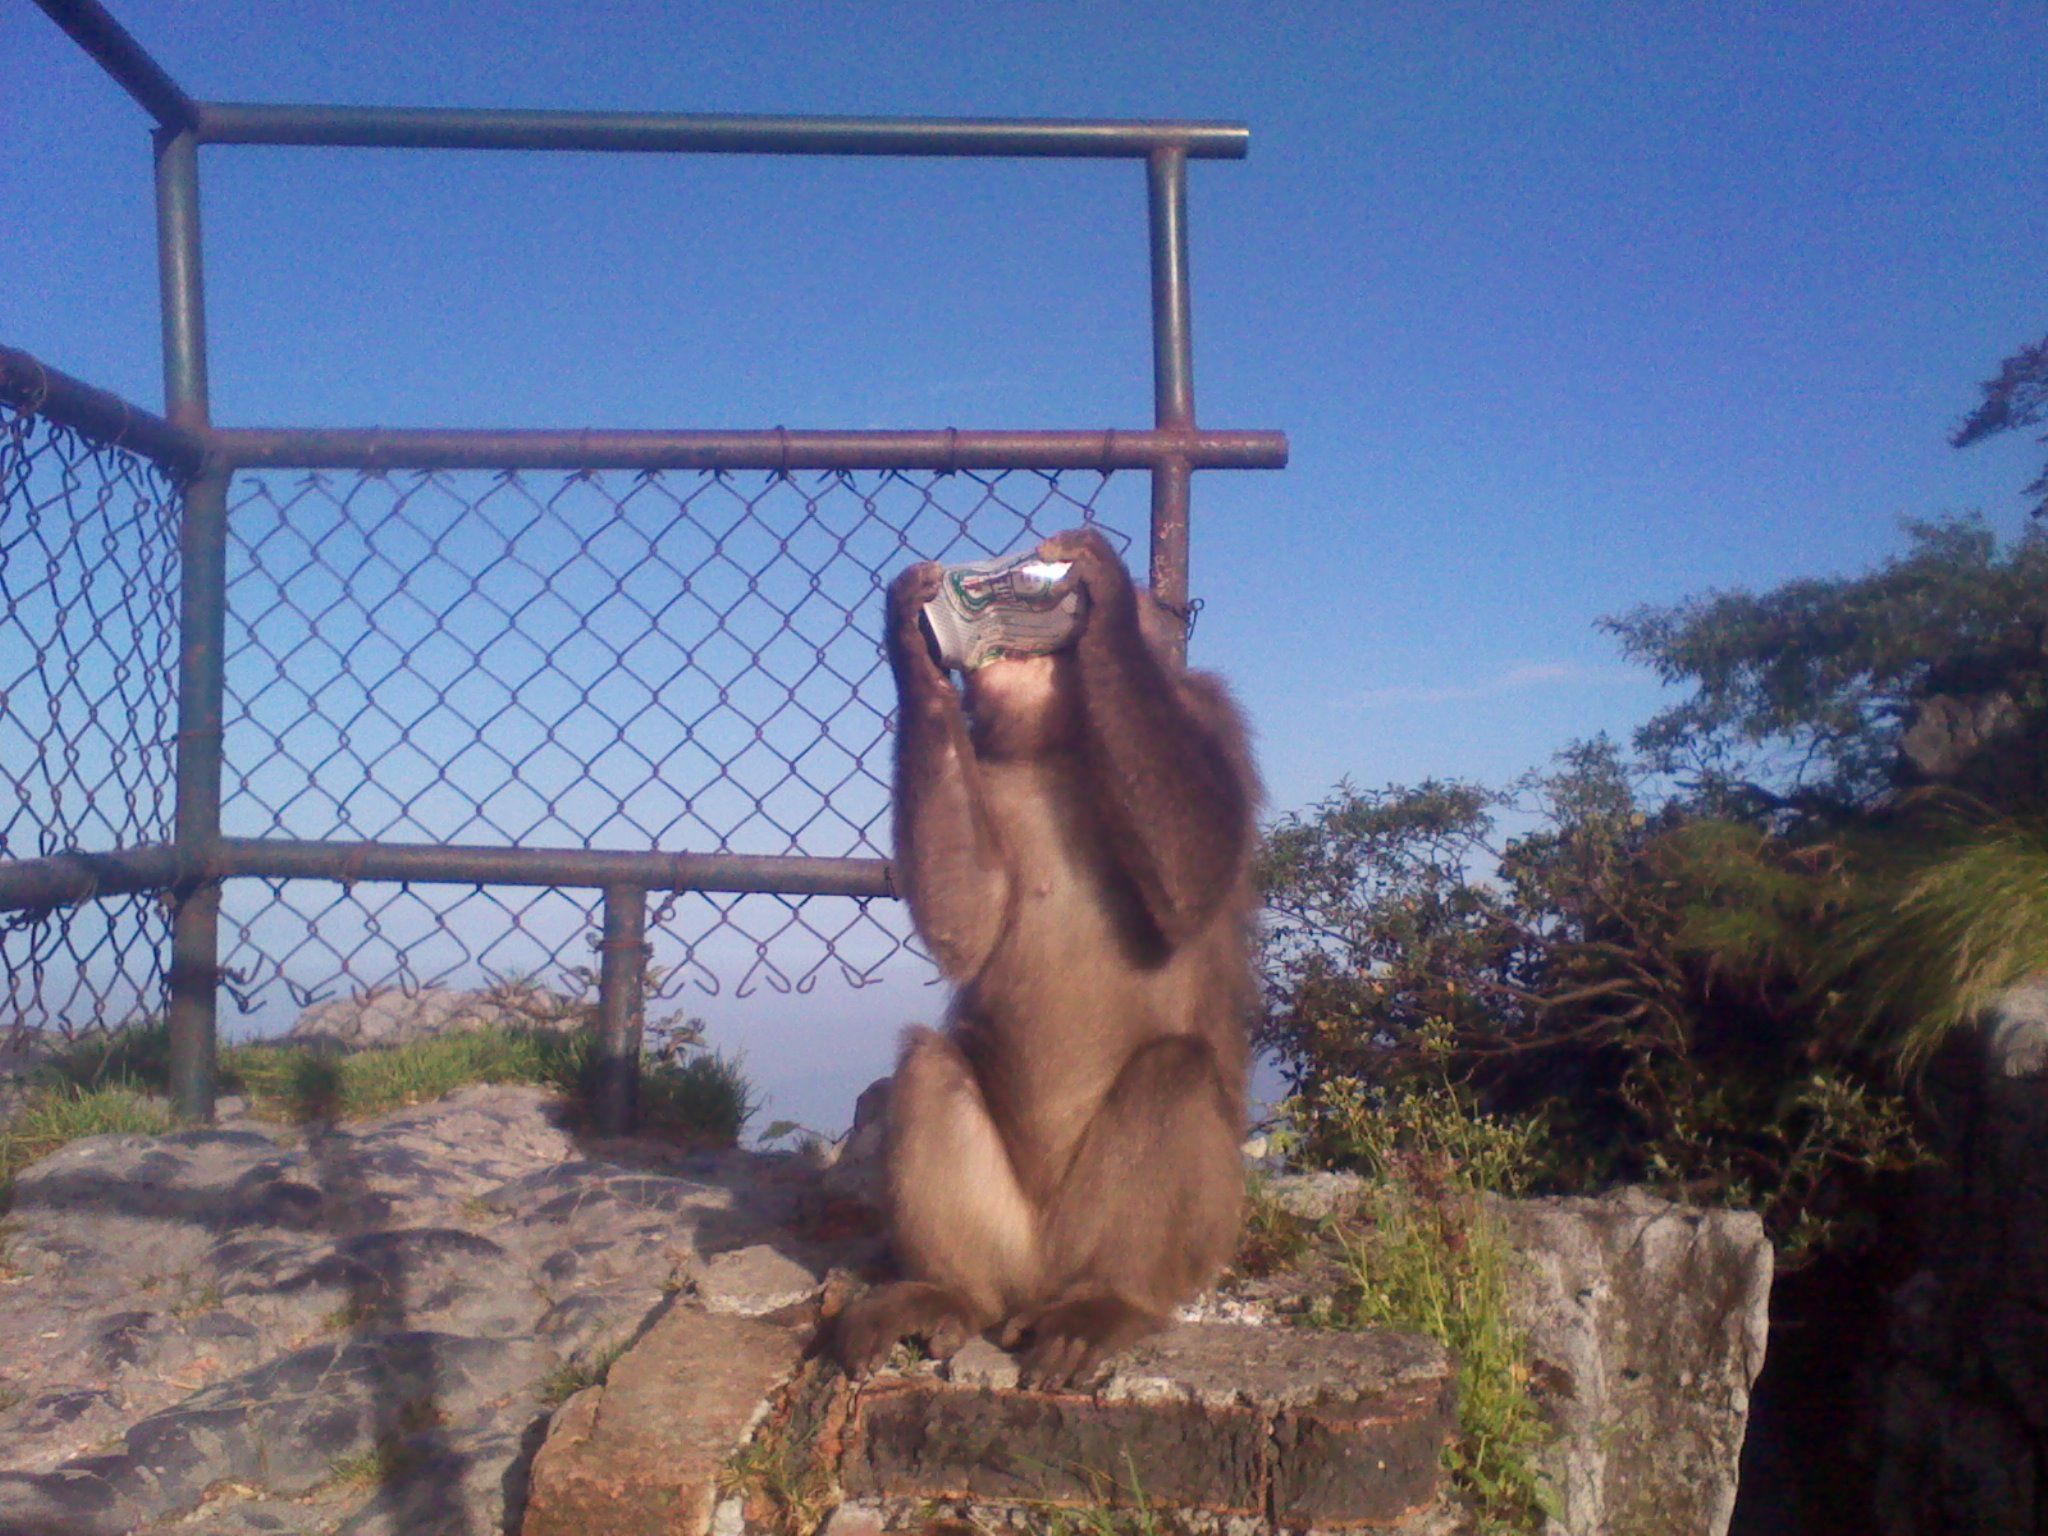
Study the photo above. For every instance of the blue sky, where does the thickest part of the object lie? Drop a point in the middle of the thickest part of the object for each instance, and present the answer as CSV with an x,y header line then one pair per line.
x,y
1565,308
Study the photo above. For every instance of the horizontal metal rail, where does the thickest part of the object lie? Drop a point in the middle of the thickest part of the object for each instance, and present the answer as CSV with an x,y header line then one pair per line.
x,y
67,878
33,386
464,864
229,122
322,448
29,383
220,122
115,51
64,879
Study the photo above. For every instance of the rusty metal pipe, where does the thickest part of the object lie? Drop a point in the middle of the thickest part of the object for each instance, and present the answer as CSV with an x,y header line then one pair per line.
x,y
621,1009
95,30
436,448
463,864
33,386
1173,374
233,122
193,982
65,879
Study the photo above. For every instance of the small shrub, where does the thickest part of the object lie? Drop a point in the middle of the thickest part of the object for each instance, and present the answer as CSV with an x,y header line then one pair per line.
x,y
1425,1257
138,1054
1430,1117
706,1097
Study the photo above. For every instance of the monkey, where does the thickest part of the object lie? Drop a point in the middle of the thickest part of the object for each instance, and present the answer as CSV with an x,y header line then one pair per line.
x,y
1074,838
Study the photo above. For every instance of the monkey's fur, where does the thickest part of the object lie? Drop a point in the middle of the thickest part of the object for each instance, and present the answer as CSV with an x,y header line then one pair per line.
x,y
1076,845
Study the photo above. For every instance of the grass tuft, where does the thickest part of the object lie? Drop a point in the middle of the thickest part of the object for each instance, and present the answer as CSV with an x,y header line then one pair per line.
x,y
572,1376
1944,927
116,1082
1424,1256
54,1116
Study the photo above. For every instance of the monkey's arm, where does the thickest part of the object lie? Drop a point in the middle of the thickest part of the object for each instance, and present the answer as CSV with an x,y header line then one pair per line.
x,y
1172,771
947,864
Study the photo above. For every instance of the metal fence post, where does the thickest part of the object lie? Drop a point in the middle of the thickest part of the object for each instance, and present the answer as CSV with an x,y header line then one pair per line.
x,y
621,1004
194,975
1173,370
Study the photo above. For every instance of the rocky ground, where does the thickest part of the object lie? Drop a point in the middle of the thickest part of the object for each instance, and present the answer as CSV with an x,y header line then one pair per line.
x,y
356,1329
368,1328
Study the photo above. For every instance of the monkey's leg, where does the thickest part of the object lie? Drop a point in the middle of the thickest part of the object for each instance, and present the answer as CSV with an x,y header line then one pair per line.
x,y
1146,1215
962,1229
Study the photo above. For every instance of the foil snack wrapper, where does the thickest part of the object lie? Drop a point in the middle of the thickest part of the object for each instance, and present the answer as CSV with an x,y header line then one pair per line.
x,y
993,609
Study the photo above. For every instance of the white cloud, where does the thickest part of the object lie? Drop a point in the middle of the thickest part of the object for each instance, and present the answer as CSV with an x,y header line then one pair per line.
x,y
1522,677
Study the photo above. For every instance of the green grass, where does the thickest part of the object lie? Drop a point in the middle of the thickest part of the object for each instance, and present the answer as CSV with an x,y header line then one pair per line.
x,y
60,1113
116,1082
1943,926
1426,1258
572,1376
704,1097
1272,1238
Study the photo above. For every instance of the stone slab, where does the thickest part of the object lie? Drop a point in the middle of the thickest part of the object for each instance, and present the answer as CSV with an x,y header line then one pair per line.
x,y
1232,1421
641,1455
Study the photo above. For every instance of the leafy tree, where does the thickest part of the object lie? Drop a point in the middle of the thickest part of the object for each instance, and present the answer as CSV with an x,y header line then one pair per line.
x,y
2017,397
1711,968
1627,978
1802,695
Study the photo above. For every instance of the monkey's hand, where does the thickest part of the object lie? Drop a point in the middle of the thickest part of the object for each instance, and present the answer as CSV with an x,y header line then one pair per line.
x,y
911,653
1097,571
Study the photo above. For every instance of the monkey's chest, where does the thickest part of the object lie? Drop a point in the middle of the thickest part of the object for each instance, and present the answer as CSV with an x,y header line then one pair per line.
x,y
1077,954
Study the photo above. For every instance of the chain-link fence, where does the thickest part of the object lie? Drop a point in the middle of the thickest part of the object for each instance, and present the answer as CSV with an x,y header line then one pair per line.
x,y
631,661
438,709
88,645
625,661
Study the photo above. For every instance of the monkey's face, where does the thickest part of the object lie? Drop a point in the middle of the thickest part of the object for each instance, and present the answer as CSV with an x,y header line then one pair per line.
x,y
1025,707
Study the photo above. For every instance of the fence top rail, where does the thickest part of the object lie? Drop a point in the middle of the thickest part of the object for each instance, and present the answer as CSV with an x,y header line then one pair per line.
x,y
93,28
776,449
705,133
90,25
34,386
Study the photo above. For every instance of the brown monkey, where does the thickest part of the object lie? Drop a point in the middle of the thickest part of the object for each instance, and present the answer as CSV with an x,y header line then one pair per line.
x,y
1075,844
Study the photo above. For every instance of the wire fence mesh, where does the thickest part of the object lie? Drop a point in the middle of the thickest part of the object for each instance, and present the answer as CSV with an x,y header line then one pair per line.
x,y
88,693
673,661
658,661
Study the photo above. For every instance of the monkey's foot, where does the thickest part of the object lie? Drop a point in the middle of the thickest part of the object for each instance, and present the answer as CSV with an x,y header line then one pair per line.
x,y
1071,1341
906,1309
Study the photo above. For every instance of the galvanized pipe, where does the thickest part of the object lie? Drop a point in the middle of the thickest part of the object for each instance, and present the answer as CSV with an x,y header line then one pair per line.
x,y
1173,367
33,386
180,279
94,30
226,122
435,448
64,879
194,978
461,864
621,1008
1173,375
1169,566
